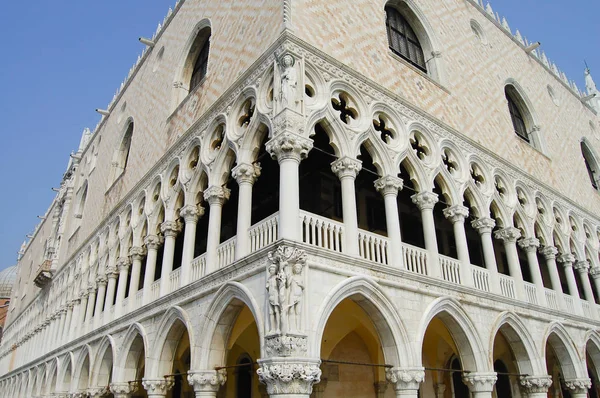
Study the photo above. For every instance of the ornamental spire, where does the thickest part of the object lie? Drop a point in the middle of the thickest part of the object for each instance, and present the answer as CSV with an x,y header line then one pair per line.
x,y
590,86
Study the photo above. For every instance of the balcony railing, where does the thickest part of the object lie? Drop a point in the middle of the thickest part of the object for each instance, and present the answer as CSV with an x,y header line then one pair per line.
x,y
264,233
373,247
415,259
530,293
321,232
552,299
450,269
43,274
507,286
481,279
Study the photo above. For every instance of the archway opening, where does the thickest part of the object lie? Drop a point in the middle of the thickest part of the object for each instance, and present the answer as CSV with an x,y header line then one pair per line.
x,y
104,370
510,359
175,360
135,365
558,365
84,375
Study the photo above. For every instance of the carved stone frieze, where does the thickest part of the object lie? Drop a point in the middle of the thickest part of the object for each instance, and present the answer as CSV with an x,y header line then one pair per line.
x,y
216,195
191,213
171,228
582,267
549,252
529,244
578,386
246,173
508,234
158,386
286,345
484,225
290,376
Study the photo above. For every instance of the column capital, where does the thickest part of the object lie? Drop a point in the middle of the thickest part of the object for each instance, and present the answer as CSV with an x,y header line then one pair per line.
x,y
595,272
425,200
456,213
582,267
536,384
508,234
170,228
120,389
566,259
216,195
290,375
289,146
97,392
191,213
346,167
137,253
405,378
153,242
389,185
111,272
158,386
480,382
207,380
484,225
578,386
529,244
101,280
549,252
123,264
246,173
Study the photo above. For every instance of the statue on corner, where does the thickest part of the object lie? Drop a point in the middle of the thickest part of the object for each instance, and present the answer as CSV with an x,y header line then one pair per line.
x,y
287,84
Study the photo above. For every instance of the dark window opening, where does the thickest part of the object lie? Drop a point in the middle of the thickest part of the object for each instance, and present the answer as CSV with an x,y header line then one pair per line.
x,y
444,230
402,39
265,192
229,213
178,254
369,203
503,383
460,388
201,65
202,231
411,223
516,114
244,378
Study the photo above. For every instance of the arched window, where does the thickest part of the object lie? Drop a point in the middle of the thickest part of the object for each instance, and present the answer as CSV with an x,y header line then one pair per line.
x,y
517,112
199,56
402,39
121,156
81,202
591,165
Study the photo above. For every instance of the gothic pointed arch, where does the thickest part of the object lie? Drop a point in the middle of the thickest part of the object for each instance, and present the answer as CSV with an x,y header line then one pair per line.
x,y
134,351
562,344
590,159
592,350
522,114
121,156
175,323
102,369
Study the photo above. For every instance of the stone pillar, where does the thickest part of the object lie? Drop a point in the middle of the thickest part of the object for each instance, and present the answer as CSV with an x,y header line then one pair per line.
x,y
112,275
595,273
380,389
481,385
123,266
61,326
83,307
69,318
152,243
216,197
536,386
170,230
456,215
207,383
389,186
578,387
121,390
347,169
245,174
530,246
567,261
509,236
549,253
89,311
406,381
157,388
484,226
289,149
190,214
137,254
425,201
583,267
289,377
75,321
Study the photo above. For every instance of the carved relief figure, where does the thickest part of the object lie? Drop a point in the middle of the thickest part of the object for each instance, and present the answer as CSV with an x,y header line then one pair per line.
x,y
289,82
296,289
274,307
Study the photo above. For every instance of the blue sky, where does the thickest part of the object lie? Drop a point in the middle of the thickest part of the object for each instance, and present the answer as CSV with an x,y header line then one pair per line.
x,y
62,59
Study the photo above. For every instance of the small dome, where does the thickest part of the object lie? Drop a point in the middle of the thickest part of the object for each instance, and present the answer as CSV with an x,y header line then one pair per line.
x,y
8,277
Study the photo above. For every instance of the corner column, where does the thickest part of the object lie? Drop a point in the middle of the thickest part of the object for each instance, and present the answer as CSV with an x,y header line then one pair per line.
x,y
152,243
406,381
480,385
389,186
549,253
190,214
456,215
216,197
206,383
509,236
245,175
347,169
531,245
289,149
595,273
170,230
536,386
425,202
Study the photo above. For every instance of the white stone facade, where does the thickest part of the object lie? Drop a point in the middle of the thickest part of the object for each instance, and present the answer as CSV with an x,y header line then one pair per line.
x,y
141,294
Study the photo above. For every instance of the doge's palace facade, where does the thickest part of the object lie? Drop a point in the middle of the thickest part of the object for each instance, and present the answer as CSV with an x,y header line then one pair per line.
x,y
294,198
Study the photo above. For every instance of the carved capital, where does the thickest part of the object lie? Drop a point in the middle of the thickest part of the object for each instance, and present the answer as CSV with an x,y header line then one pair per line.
x,y
508,234
158,386
536,384
346,167
567,260
549,252
579,386
137,253
246,173
425,200
583,267
97,392
296,376
171,228
484,225
191,213
153,242
207,381
216,195
529,244
389,185
289,146
123,264
122,389
456,213
101,280
405,378
480,382
595,272
111,272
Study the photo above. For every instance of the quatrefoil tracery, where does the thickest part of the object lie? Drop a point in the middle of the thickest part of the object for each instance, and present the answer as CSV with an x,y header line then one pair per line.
x,y
343,104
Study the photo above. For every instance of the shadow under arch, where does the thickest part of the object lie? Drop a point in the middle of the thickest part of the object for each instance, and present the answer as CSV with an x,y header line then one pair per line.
x,y
102,369
559,340
134,348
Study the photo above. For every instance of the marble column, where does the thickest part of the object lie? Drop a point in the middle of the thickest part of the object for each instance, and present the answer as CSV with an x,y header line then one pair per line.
x,y
595,273
245,174
567,261
152,243
347,169
289,377
207,383
89,311
530,246
84,296
289,149
67,325
425,201
389,186
190,215
536,386
75,321
137,254
112,275
123,264
406,381
583,267
509,236
457,215
170,230
216,197
549,253
578,387
481,385
157,388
